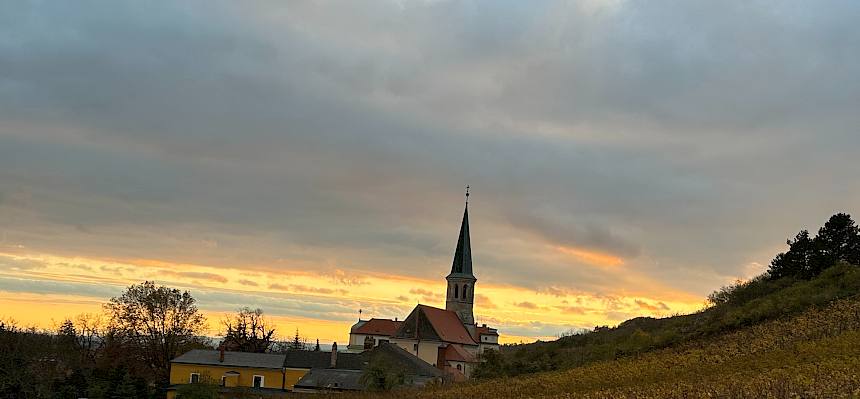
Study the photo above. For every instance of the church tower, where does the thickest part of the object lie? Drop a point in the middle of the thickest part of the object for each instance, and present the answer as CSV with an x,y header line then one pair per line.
x,y
461,281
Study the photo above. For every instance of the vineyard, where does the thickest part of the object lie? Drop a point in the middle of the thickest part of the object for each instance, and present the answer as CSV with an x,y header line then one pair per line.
x,y
813,354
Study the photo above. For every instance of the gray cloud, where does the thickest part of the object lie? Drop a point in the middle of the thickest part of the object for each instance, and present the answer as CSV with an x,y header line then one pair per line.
x,y
690,138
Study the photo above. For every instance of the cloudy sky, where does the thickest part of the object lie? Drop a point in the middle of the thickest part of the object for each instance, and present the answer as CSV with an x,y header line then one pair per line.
x,y
309,157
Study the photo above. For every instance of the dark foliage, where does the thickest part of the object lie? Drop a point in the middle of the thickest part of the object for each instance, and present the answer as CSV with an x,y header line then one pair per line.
x,y
837,241
248,331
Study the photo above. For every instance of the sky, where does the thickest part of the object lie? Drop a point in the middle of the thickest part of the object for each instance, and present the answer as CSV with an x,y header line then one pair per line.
x,y
310,157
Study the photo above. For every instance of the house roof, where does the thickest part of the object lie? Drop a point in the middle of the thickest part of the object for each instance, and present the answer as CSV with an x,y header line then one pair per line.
x,y
483,330
462,264
434,324
404,361
331,379
385,327
315,359
458,354
234,359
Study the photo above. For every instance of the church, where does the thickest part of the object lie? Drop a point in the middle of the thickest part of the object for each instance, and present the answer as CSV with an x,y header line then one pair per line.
x,y
449,338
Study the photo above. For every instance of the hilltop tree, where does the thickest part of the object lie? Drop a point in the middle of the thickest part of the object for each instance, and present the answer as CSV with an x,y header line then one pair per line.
x,y
158,321
248,331
837,241
797,260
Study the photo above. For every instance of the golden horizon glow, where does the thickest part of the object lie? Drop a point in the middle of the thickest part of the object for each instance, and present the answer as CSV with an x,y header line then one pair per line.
x,y
320,305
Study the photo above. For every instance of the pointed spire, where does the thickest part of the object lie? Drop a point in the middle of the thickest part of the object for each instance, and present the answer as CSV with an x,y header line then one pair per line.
x,y
463,255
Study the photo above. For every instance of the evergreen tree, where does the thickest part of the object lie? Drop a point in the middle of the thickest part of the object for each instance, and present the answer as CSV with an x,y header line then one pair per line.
x,y
317,347
839,241
298,343
796,262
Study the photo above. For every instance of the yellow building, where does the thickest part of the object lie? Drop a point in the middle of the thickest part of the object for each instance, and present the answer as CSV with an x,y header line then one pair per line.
x,y
262,373
268,375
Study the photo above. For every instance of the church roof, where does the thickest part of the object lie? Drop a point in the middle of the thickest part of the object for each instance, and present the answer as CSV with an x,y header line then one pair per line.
x,y
378,327
463,254
456,353
434,324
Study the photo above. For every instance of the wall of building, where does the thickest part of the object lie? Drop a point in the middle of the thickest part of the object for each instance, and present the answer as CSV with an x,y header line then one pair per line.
x,y
181,374
356,341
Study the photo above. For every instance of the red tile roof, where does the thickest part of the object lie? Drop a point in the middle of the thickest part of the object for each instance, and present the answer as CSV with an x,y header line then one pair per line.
x,y
447,325
483,330
385,327
456,353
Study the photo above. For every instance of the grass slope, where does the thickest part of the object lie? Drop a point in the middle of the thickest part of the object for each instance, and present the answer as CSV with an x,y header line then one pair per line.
x,y
813,354
739,306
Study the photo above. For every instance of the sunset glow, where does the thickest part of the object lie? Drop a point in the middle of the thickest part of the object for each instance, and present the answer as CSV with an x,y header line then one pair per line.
x,y
310,159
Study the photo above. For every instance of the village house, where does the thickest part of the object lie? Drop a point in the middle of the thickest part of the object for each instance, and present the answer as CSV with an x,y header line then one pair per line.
x,y
449,338
266,374
414,372
269,375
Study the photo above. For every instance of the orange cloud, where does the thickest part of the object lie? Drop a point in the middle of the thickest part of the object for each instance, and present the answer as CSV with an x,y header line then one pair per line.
x,y
526,305
592,257
198,275
660,306
304,288
572,310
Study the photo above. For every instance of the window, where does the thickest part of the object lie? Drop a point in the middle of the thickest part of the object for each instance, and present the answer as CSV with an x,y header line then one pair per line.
x,y
459,367
258,381
465,288
456,291
223,380
195,378
415,347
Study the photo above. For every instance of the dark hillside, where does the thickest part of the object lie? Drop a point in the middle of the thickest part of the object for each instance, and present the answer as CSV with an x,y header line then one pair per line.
x,y
814,354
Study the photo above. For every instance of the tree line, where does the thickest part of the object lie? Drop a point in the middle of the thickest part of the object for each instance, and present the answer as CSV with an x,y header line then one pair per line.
x,y
125,351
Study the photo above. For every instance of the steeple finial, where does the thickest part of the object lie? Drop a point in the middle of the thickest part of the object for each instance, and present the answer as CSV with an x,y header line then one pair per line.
x,y
467,194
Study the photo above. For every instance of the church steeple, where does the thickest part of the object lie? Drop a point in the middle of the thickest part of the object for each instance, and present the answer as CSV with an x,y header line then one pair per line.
x,y
461,282
463,254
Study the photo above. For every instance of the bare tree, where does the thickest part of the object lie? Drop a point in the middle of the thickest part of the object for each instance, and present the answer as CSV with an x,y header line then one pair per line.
x,y
90,328
248,331
162,322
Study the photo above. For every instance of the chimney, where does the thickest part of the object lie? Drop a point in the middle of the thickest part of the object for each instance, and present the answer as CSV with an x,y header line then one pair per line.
x,y
333,355
221,355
